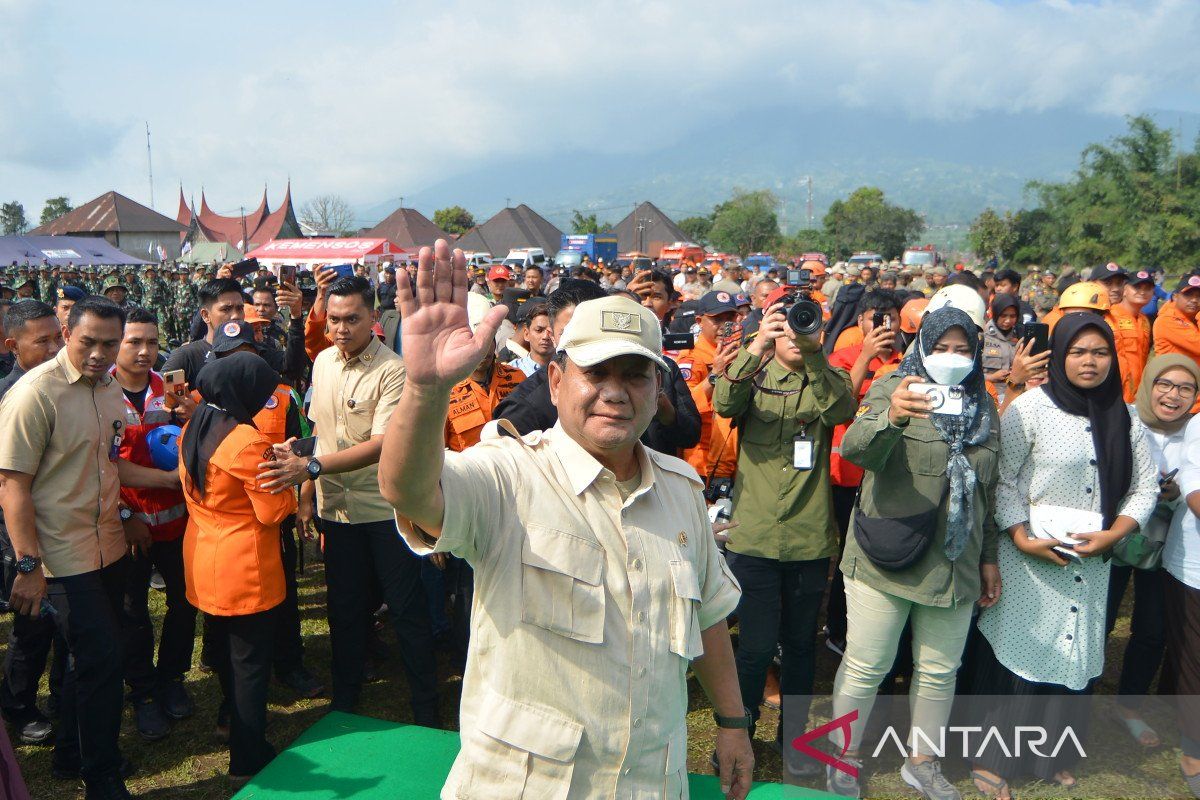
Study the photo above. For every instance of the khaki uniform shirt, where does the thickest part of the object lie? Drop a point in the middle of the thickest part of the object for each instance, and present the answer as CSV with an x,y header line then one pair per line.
x,y
352,401
59,427
588,609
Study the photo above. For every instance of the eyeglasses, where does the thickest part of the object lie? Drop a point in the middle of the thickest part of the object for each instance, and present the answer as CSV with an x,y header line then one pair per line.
x,y
1165,386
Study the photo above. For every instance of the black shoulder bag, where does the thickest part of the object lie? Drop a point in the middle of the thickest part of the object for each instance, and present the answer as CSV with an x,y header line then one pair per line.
x,y
895,543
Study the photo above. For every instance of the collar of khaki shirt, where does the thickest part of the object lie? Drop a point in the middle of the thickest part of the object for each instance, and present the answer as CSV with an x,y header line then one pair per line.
x,y
72,374
583,469
366,355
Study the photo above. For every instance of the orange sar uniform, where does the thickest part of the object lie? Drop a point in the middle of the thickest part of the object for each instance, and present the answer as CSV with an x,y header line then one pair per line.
x,y
472,405
841,471
716,453
1175,333
1132,334
231,554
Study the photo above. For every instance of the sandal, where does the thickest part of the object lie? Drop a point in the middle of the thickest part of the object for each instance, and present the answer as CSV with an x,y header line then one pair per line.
x,y
1192,781
1137,729
997,789
1068,782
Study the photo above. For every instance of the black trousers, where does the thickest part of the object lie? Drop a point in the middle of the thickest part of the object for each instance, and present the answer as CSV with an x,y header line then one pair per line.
x,y
178,628
88,628
241,649
835,608
354,555
780,603
289,644
1147,629
29,644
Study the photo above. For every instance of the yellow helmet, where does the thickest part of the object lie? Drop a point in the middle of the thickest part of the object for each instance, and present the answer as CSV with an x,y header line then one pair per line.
x,y
1085,294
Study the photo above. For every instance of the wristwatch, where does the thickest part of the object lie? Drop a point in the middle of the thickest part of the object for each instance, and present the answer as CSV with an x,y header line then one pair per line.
x,y
314,469
126,513
27,564
743,722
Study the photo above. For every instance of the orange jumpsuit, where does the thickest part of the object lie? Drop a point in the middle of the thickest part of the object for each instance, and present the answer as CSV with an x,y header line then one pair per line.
x,y
1175,333
471,405
716,453
1132,334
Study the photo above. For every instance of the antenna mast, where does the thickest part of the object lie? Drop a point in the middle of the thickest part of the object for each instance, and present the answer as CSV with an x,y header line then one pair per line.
x,y
149,164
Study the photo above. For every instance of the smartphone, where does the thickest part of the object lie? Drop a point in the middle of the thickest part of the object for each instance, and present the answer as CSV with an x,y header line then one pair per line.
x,y
730,332
305,447
1039,332
1066,551
287,273
679,341
176,382
343,270
245,267
1168,477
943,399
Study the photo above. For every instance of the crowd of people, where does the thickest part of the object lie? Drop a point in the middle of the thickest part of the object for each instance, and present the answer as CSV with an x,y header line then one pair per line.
x,y
577,481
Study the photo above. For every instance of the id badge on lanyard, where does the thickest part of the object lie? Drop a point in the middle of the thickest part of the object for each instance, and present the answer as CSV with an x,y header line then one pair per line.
x,y
802,450
114,447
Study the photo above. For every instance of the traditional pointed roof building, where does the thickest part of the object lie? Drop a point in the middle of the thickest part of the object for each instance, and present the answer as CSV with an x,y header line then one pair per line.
x,y
512,228
647,230
408,228
246,232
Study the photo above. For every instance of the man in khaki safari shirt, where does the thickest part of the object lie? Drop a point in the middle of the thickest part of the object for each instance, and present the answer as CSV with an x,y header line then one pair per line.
x,y
597,579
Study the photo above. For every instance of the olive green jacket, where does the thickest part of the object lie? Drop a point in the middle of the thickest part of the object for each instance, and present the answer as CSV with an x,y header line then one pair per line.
x,y
906,475
783,513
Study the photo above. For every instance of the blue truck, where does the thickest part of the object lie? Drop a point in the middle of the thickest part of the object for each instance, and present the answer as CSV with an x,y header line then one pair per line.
x,y
595,246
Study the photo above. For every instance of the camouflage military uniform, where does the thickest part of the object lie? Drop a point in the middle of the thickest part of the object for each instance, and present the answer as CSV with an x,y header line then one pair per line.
x,y
156,298
184,302
1043,298
116,282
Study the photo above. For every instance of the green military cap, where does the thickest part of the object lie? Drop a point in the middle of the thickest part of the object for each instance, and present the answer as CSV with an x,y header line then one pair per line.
x,y
113,282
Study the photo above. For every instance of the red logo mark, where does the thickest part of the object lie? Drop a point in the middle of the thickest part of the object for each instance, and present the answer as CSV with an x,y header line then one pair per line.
x,y
842,724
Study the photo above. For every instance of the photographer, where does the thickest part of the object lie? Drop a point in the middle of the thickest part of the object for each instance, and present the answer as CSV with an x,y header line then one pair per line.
x,y
923,548
786,399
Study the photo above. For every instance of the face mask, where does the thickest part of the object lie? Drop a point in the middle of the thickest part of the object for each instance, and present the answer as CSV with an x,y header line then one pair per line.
x,y
949,369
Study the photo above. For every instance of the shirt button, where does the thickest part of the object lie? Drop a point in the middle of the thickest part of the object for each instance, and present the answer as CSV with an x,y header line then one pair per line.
x,y
641,671
1092,462
637,722
1074,609
625,771
1069,637
636,564
640,617
1078,579
1088,490
1088,429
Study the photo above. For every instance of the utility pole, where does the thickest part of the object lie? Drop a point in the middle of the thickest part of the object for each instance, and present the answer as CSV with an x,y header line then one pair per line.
x,y
149,164
402,201
245,245
810,203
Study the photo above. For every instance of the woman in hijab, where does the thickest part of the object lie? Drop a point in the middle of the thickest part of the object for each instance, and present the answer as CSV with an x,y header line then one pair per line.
x,y
923,543
1076,459
232,552
1164,401
1000,339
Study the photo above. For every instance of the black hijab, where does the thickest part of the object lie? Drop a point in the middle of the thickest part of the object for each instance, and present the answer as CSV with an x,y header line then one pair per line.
x,y
234,388
1104,407
1001,303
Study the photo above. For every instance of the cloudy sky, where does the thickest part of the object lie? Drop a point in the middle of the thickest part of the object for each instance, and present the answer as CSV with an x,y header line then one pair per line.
x,y
370,100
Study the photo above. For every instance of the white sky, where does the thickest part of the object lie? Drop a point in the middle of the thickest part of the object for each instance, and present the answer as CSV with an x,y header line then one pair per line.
x,y
371,100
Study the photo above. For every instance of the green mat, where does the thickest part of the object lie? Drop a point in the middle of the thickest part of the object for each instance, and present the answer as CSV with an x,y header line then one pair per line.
x,y
345,755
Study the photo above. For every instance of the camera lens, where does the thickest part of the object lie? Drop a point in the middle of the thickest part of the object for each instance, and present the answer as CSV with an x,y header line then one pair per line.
x,y
804,317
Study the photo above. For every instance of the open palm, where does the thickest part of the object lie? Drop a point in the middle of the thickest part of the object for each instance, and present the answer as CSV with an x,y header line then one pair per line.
x,y
439,348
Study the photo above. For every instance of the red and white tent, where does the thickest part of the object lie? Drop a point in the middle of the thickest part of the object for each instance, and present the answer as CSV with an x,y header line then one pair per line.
x,y
309,252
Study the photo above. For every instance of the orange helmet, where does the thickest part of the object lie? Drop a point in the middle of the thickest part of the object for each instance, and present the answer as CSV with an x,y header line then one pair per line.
x,y
910,314
1085,294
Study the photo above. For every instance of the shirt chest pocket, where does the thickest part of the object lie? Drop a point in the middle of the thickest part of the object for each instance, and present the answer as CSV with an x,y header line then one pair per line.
x,y
360,414
986,461
763,422
561,584
684,610
925,453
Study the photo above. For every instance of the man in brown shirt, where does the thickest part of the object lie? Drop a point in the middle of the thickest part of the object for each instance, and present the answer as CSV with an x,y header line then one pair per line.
x,y
61,483
356,384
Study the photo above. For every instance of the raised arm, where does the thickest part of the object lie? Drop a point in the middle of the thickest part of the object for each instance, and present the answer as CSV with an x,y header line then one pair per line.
x,y
439,351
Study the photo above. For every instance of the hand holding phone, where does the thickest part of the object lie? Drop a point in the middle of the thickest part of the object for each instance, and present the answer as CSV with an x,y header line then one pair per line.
x,y
176,383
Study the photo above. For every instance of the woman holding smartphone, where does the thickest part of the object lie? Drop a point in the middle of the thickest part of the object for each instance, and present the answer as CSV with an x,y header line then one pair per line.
x,y
1071,445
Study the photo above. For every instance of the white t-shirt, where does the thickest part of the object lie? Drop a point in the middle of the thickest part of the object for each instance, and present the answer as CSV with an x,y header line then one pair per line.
x,y
1181,554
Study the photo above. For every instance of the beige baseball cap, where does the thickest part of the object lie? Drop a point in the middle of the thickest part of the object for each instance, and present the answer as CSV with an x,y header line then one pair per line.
x,y
610,327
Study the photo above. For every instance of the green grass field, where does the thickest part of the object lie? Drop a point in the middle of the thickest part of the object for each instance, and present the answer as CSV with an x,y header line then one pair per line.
x,y
191,764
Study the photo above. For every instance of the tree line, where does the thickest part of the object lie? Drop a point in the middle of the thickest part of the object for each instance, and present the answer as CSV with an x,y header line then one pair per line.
x,y
1134,200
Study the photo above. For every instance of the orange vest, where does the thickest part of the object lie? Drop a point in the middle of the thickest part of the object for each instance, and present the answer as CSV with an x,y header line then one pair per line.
x,y
471,405
232,561
848,338
272,420
841,471
1132,334
1175,333
716,452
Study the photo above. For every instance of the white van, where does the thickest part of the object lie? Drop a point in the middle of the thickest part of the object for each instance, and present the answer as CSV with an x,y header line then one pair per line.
x,y
522,257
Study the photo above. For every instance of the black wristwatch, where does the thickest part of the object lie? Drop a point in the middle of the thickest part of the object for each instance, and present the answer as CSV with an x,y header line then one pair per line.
x,y
741,723
27,564
314,469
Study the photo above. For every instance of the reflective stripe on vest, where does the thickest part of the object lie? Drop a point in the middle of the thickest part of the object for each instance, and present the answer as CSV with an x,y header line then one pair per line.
x,y
155,518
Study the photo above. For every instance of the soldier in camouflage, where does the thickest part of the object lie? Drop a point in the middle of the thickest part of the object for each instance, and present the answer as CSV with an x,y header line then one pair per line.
x,y
1044,297
115,289
184,303
156,295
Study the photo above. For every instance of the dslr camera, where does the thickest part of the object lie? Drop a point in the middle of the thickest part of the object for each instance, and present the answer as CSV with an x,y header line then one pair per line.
x,y
803,314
